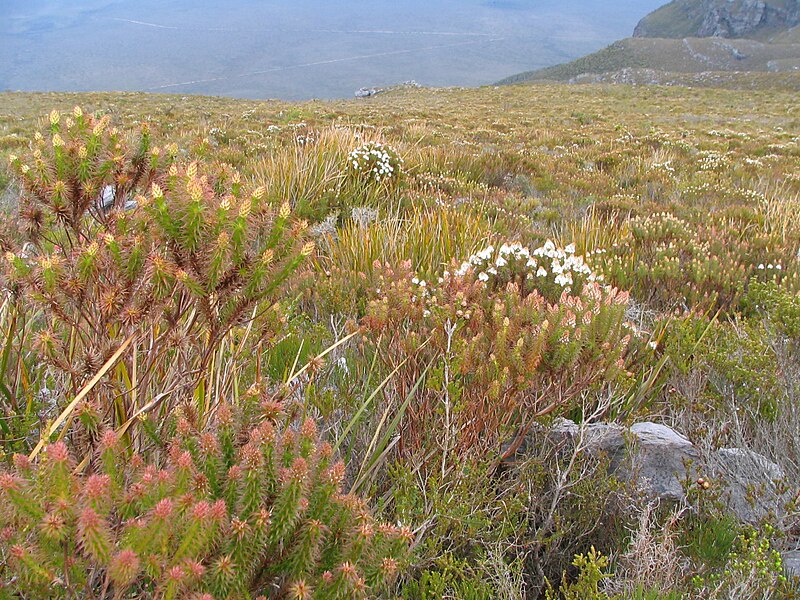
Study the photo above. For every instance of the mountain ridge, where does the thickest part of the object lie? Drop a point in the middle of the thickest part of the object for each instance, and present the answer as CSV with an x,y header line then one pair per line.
x,y
667,48
756,19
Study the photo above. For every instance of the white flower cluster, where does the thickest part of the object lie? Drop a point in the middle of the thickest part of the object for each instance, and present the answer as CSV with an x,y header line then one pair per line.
x,y
777,267
561,265
708,160
305,140
376,161
664,166
728,134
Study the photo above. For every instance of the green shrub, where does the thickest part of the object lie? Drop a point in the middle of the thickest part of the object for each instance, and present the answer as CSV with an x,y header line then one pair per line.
x,y
592,570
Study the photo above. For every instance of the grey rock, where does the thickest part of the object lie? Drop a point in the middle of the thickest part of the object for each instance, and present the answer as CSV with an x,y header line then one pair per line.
x,y
751,484
107,200
653,455
791,563
661,461
9,198
366,92
662,458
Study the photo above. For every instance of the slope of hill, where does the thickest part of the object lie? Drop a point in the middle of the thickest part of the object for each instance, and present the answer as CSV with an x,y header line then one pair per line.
x,y
779,63
720,18
682,43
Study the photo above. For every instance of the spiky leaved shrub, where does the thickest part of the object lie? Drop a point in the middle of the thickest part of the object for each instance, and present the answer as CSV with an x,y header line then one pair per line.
x,y
124,245
81,166
498,354
235,511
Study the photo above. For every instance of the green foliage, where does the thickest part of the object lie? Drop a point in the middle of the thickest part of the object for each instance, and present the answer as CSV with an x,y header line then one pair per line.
x,y
693,209
449,580
238,510
592,570
753,569
779,306
710,539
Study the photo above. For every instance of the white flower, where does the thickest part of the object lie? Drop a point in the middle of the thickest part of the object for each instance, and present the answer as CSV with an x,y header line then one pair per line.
x,y
483,277
541,272
570,249
501,262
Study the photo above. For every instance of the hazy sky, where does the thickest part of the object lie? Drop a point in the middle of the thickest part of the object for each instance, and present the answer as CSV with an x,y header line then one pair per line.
x,y
295,49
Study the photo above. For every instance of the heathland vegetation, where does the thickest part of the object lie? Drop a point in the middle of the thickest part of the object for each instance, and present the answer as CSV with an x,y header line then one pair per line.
x,y
259,349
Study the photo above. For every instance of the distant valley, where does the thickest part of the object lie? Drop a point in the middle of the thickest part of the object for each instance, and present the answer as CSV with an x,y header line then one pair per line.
x,y
303,49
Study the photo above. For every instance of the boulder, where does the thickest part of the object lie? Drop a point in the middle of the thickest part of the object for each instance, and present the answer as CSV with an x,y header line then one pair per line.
x,y
660,461
751,484
656,456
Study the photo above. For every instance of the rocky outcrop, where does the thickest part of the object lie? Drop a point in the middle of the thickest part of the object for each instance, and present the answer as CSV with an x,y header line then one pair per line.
x,y
720,18
661,462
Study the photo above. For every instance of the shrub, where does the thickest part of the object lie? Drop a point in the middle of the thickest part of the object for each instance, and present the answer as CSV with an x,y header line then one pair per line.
x,y
592,568
239,509
124,250
500,354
